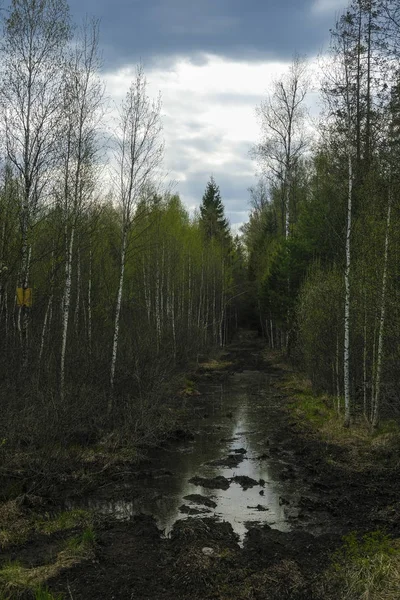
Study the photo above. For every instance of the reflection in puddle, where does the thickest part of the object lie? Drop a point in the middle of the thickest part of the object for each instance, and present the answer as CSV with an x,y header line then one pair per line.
x,y
240,421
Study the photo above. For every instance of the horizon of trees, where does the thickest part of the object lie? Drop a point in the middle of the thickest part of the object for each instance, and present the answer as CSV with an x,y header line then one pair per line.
x,y
103,295
324,224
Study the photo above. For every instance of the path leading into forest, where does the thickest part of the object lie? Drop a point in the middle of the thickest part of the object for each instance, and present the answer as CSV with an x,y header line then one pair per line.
x,y
247,506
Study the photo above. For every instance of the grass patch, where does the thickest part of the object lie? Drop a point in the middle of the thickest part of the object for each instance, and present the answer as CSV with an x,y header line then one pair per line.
x,y
365,568
63,521
189,389
16,579
16,526
318,414
43,593
82,545
313,409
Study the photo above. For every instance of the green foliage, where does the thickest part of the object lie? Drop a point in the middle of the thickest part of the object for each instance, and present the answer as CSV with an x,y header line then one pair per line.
x,y
82,544
43,593
366,547
365,567
65,520
212,219
313,408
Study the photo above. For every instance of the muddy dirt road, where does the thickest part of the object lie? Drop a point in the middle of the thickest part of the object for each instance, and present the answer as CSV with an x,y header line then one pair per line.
x,y
248,505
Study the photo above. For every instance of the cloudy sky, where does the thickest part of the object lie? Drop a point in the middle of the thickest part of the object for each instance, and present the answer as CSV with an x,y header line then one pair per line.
x,y
213,61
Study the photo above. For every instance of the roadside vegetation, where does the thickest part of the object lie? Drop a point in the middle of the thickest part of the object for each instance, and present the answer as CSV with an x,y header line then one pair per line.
x,y
319,414
365,567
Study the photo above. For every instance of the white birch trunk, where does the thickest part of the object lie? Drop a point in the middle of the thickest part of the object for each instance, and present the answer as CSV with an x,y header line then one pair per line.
x,y
365,353
376,402
89,304
78,291
173,321
201,294
23,316
44,328
189,312
146,292
221,320
337,376
158,318
65,311
117,320
346,353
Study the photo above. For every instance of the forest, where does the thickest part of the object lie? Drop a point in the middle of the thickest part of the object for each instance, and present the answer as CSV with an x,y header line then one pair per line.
x,y
102,294
324,226
115,299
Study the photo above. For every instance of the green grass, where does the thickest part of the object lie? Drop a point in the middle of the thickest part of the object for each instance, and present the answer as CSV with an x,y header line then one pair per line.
x,y
43,593
15,578
63,521
366,567
81,545
314,409
364,448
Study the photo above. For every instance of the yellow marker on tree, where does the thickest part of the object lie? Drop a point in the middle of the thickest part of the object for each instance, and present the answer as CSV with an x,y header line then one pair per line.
x,y
24,296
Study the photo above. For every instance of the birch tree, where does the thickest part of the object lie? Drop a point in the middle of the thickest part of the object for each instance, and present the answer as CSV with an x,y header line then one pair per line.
x,y
282,116
35,36
139,153
341,90
83,94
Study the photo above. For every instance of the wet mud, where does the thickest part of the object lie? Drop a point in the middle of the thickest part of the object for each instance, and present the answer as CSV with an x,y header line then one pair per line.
x,y
250,505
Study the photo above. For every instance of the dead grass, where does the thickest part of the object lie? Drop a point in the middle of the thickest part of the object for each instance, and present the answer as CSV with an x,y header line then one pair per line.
x,y
15,527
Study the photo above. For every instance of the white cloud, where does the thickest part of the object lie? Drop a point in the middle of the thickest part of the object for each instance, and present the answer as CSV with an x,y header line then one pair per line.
x,y
209,122
326,6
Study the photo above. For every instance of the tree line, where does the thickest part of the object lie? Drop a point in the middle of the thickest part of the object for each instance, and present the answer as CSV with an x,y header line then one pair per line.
x,y
322,240
103,295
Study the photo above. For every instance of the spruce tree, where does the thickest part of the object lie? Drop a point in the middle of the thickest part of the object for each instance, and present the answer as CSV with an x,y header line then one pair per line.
x,y
212,217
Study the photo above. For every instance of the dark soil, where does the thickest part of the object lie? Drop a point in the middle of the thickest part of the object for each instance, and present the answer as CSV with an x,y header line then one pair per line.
x,y
245,482
199,499
202,559
233,460
216,483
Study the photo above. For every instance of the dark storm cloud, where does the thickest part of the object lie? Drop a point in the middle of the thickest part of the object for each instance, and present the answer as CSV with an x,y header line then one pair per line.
x,y
255,29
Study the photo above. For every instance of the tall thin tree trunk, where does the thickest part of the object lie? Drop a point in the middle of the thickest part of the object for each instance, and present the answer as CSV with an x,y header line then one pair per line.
x,y
78,290
337,371
117,318
65,310
44,328
376,403
89,304
365,354
346,354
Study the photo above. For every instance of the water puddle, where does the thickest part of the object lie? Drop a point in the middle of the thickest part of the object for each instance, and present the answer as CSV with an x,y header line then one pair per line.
x,y
234,422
